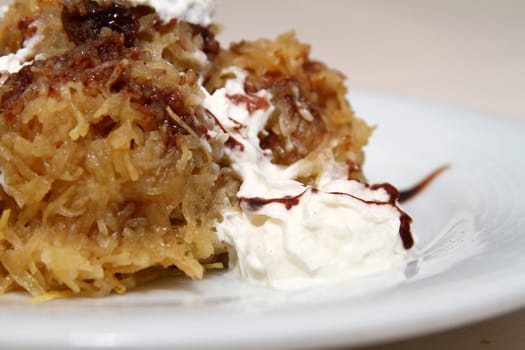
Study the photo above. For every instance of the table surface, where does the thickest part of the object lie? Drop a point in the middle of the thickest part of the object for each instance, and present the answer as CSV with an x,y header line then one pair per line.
x,y
468,53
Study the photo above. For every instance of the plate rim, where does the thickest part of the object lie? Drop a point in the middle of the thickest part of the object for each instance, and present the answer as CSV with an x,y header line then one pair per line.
x,y
509,296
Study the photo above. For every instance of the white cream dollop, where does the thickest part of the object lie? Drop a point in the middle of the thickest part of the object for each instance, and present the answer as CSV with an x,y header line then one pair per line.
x,y
193,11
287,235
13,62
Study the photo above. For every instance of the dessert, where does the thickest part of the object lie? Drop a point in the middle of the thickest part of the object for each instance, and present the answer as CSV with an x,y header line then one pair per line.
x,y
131,142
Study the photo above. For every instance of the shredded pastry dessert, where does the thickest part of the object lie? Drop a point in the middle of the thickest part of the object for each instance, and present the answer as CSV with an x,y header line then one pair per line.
x,y
124,152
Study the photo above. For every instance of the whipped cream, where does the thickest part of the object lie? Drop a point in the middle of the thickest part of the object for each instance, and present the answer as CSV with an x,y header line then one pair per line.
x,y
287,235
193,11
13,62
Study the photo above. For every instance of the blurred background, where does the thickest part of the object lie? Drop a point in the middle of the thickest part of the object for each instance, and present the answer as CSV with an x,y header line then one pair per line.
x,y
468,53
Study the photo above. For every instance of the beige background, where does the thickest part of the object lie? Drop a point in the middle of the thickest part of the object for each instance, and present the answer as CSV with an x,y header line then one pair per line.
x,y
467,53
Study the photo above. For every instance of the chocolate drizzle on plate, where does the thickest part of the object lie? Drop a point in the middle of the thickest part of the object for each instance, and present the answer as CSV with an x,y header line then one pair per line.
x,y
232,142
410,193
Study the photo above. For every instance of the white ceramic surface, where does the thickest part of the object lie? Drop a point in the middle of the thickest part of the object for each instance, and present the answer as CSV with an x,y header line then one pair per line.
x,y
471,230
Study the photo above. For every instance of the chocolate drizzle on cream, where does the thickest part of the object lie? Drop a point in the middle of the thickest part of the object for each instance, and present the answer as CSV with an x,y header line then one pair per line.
x,y
238,126
405,220
405,233
256,203
253,102
232,142
286,233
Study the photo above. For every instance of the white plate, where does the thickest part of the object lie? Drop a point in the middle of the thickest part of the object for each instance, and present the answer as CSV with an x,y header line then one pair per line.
x,y
471,229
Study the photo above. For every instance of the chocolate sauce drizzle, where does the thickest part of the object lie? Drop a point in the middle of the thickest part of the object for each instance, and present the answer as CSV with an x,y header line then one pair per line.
x,y
395,196
232,142
252,101
238,125
405,220
255,203
410,193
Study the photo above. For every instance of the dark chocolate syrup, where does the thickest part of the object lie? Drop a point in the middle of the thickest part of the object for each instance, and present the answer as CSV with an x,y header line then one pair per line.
x,y
211,115
405,220
252,101
238,125
232,142
405,231
392,192
410,193
289,202
256,203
